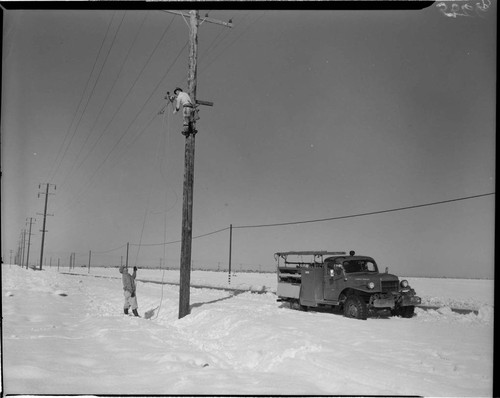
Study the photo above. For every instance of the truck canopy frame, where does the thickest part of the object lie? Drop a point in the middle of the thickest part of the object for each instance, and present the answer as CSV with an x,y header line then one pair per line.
x,y
284,255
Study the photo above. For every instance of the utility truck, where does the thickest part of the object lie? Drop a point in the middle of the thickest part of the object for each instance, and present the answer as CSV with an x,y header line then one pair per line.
x,y
341,281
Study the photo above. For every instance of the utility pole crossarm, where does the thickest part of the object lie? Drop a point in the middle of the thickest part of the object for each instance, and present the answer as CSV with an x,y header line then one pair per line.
x,y
206,103
228,24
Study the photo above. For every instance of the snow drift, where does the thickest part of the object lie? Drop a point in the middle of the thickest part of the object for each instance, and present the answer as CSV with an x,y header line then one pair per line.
x,y
66,334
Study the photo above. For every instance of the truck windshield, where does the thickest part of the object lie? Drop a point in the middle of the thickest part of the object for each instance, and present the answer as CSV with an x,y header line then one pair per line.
x,y
359,266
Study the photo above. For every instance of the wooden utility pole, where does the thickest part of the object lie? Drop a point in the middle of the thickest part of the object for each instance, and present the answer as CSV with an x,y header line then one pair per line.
x,y
29,244
187,202
187,195
44,217
20,253
126,261
230,251
24,248
17,260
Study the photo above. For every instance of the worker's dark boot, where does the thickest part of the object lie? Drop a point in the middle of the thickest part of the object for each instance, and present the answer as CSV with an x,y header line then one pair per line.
x,y
125,311
135,312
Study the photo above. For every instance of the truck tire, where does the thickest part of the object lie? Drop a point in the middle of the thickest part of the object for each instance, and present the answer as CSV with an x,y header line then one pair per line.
x,y
355,307
404,312
295,305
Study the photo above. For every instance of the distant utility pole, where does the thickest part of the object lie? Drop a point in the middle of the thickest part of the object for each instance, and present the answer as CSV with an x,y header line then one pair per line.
x,y
46,193
187,204
230,251
18,254
126,259
29,243
23,240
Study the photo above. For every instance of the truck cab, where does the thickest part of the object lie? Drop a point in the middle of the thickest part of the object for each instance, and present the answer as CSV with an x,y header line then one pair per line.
x,y
344,281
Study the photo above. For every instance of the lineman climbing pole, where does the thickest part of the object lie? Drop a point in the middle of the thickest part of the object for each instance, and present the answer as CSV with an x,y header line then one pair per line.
x,y
187,202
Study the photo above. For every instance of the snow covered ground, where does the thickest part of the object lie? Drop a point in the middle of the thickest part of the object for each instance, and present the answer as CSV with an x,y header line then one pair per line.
x,y
66,334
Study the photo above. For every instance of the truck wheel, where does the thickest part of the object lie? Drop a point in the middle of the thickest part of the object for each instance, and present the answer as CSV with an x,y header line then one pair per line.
x,y
405,312
408,311
354,307
295,305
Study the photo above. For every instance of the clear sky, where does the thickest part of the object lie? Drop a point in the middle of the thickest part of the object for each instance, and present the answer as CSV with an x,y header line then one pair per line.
x,y
317,114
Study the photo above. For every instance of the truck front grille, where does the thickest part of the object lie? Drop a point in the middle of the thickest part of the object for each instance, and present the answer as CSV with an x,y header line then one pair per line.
x,y
390,286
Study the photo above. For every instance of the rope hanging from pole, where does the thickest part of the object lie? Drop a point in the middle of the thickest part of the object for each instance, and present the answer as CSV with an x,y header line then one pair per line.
x,y
155,312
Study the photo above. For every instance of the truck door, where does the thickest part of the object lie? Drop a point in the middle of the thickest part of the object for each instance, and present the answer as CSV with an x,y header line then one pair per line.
x,y
332,278
311,286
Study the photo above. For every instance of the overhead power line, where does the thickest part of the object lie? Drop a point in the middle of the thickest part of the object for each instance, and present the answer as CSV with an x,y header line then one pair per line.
x,y
323,219
217,56
363,214
92,91
91,179
178,241
54,170
123,63
103,132
110,250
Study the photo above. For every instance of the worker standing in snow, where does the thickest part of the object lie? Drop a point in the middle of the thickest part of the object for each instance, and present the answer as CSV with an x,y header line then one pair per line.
x,y
183,100
129,290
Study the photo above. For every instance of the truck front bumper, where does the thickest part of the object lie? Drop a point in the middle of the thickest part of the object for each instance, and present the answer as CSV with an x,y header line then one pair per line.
x,y
392,300
407,300
383,303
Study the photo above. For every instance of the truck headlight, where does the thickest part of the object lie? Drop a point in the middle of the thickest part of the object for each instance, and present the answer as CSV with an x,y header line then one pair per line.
x,y
404,283
371,285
